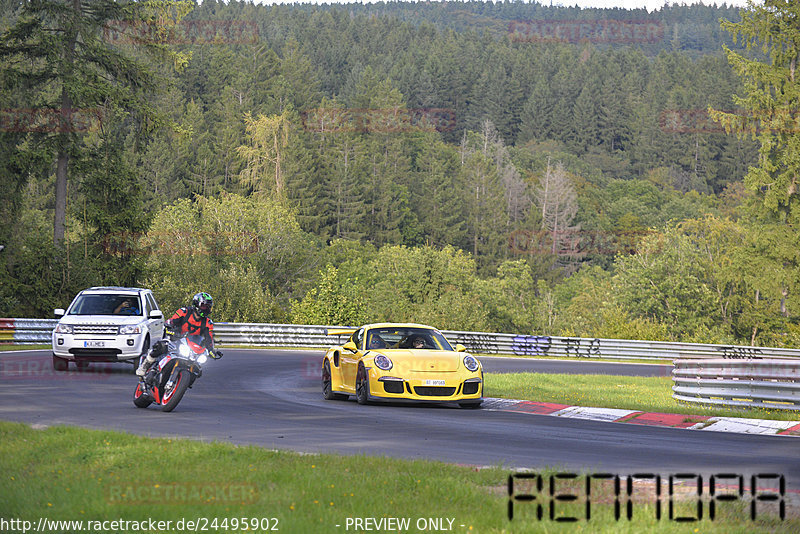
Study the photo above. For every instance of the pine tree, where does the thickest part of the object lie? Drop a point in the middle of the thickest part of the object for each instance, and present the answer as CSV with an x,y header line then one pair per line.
x,y
437,198
537,114
771,102
57,51
585,131
483,194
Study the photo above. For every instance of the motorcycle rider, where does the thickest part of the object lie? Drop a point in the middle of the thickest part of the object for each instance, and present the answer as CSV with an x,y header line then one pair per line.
x,y
194,319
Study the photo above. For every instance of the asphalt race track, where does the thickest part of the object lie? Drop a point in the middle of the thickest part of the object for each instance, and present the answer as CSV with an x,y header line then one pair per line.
x,y
273,399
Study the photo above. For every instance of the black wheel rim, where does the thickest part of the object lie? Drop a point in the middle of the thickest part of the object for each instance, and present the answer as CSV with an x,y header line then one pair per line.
x,y
326,378
361,384
171,392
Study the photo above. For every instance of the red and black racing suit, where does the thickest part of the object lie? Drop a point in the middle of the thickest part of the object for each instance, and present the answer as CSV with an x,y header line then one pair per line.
x,y
185,323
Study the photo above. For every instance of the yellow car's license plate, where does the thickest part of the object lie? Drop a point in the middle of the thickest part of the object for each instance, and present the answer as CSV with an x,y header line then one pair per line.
x,y
434,382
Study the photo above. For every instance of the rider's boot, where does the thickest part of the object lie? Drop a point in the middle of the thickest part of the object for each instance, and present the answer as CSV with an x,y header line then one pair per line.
x,y
145,365
159,348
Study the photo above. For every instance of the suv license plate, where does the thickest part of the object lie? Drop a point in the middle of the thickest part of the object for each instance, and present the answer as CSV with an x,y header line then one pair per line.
x,y
434,382
94,344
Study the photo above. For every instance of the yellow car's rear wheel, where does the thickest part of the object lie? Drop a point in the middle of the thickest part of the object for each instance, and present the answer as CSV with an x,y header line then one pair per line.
x,y
327,383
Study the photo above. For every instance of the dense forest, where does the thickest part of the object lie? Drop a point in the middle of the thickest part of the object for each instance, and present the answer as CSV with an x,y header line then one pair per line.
x,y
450,163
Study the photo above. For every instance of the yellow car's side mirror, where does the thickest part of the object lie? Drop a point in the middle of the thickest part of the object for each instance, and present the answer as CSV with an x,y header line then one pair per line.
x,y
350,346
461,348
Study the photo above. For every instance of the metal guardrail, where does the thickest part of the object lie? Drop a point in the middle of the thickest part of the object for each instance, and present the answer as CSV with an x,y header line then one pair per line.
x,y
574,347
275,335
22,331
756,383
290,335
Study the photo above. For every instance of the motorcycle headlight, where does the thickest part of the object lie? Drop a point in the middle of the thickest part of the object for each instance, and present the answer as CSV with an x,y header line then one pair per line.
x,y
63,328
382,362
201,359
184,350
471,363
130,329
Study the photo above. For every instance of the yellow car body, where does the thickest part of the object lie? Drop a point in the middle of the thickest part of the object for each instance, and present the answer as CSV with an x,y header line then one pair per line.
x,y
401,361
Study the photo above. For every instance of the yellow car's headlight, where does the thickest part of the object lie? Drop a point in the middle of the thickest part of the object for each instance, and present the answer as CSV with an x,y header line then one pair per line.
x,y
382,362
471,363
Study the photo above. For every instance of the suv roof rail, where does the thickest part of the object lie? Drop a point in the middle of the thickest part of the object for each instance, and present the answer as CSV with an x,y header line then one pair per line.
x,y
113,288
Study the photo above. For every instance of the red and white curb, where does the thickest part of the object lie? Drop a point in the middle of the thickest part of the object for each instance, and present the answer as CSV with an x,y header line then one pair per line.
x,y
635,417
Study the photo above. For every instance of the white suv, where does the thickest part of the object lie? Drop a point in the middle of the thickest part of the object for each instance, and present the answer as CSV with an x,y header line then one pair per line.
x,y
106,324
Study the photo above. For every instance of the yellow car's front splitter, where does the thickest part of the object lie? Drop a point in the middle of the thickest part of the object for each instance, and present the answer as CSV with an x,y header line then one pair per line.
x,y
430,387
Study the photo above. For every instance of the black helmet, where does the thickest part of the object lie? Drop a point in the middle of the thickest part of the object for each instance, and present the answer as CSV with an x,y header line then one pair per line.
x,y
202,302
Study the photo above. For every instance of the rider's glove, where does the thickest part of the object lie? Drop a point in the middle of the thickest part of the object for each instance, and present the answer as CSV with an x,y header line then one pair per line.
x,y
216,354
169,330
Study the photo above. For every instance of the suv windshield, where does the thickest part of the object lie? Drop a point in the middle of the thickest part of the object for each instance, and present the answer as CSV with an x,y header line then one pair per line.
x,y
107,304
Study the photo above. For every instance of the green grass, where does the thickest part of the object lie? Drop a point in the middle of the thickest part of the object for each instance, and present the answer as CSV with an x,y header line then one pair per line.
x,y
64,473
645,393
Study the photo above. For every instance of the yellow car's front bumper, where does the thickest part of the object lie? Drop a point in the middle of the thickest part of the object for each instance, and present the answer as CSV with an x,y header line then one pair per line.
x,y
425,386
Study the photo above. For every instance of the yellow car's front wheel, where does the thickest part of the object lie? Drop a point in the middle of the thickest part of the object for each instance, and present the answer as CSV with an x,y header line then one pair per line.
x,y
362,385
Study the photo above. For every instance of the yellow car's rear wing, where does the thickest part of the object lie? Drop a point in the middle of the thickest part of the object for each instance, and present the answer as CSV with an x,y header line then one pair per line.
x,y
339,331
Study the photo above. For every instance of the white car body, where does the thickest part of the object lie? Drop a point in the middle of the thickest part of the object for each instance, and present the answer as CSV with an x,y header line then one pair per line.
x,y
89,330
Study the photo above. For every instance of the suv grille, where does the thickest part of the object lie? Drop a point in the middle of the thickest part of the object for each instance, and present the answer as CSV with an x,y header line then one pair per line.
x,y
95,354
434,391
90,329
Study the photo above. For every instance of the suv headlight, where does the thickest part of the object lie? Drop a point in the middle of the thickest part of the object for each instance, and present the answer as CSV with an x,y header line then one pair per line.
x,y
130,329
471,363
382,362
63,328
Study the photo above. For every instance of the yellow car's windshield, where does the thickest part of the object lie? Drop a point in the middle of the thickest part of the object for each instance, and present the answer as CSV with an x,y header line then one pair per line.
x,y
406,338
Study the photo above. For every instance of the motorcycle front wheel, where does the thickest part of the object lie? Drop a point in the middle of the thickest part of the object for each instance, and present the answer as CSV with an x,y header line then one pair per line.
x,y
140,399
175,394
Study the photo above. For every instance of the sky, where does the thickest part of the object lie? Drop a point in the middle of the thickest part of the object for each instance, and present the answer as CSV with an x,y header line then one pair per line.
x,y
651,5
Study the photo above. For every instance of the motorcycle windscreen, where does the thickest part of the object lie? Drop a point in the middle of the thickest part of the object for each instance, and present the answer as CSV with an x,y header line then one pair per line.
x,y
195,343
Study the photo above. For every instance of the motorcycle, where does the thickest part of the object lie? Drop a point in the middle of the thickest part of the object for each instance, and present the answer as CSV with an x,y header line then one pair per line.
x,y
167,380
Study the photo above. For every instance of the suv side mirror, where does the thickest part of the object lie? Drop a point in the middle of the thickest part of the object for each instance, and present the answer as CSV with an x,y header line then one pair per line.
x,y
350,346
460,348
59,312
156,314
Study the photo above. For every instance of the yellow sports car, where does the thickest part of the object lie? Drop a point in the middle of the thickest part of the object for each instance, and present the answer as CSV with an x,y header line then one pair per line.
x,y
391,361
